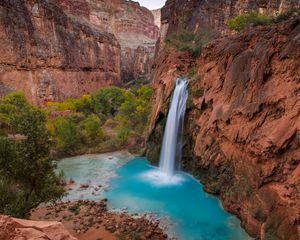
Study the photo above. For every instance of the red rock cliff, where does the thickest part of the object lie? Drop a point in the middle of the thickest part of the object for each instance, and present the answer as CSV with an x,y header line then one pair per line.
x,y
243,123
51,56
133,26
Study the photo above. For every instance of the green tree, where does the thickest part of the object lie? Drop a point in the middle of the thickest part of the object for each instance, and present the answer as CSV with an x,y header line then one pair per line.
x,y
107,101
92,129
135,110
67,134
26,171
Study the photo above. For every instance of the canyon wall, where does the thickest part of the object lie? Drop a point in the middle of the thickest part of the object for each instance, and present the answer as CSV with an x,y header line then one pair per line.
x,y
51,56
57,49
242,134
133,26
203,15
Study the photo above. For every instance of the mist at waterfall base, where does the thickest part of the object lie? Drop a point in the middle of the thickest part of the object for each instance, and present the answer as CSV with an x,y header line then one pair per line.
x,y
170,194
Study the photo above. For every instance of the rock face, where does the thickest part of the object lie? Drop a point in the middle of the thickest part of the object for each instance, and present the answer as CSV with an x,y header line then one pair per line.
x,y
203,15
133,26
243,121
247,135
157,17
57,49
15,229
51,56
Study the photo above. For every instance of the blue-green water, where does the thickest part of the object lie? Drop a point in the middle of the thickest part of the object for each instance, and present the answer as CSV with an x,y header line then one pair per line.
x,y
194,214
139,187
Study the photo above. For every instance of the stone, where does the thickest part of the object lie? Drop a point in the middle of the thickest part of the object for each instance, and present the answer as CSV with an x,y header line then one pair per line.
x,y
12,228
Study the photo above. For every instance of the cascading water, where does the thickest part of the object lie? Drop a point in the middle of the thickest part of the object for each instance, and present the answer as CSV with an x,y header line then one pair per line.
x,y
170,156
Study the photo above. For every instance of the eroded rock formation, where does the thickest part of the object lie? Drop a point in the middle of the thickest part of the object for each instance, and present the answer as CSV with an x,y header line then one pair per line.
x,y
203,15
247,135
243,125
133,26
57,49
14,229
51,56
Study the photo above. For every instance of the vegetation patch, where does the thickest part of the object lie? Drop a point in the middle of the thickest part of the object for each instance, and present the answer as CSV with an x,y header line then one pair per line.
x,y
186,41
27,175
247,20
102,121
253,19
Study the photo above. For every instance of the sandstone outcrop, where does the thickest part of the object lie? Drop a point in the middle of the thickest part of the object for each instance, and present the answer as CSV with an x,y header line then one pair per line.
x,y
52,56
243,124
57,49
247,135
203,15
133,26
17,229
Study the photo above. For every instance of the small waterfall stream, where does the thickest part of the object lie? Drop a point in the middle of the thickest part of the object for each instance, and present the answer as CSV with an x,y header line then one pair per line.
x,y
170,156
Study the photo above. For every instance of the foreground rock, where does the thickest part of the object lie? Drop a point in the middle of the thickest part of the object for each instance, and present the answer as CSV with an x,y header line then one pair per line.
x,y
243,129
19,229
89,220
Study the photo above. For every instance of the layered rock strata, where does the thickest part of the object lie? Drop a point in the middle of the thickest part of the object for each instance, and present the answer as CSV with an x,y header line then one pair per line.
x,y
52,56
133,26
243,121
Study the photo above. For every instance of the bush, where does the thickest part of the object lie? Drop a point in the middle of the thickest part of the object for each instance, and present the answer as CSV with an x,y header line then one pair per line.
x,y
186,41
106,101
26,172
92,129
247,20
135,111
123,134
191,42
192,72
67,134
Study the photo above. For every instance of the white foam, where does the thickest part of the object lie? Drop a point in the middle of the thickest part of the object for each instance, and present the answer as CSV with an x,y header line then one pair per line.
x,y
160,178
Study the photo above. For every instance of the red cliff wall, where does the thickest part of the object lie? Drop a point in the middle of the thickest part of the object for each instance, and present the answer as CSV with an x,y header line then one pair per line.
x,y
243,116
133,26
51,56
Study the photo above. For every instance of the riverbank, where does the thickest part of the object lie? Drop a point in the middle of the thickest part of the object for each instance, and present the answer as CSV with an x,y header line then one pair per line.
x,y
90,220
134,146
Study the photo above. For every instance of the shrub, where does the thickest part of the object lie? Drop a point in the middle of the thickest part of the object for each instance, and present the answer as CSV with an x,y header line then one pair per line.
x,y
67,134
190,41
186,41
198,93
92,128
192,72
247,20
123,134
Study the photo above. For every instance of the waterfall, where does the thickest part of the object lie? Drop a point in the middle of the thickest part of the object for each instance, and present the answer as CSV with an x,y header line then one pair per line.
x,y
170,155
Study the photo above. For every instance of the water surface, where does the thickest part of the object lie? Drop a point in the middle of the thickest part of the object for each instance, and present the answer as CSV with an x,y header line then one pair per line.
x,y
136,186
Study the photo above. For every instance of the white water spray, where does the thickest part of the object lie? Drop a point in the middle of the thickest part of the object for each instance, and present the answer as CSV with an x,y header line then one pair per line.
x,y
170,155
